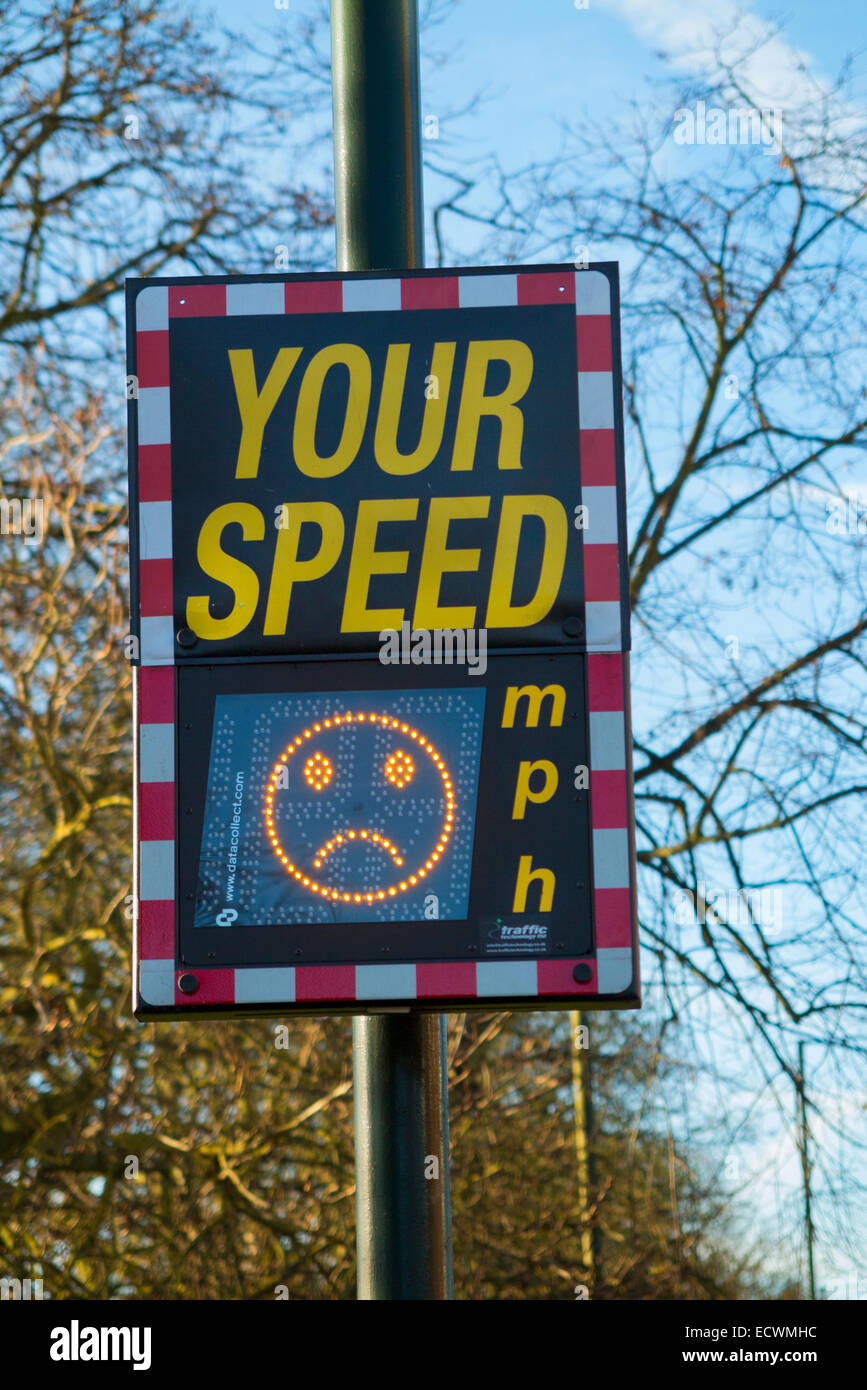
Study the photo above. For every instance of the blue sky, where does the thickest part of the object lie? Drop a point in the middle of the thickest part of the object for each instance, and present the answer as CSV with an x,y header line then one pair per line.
x,y
540,64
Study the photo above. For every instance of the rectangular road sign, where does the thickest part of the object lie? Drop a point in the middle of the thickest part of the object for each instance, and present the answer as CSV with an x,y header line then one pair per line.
x,y
380,629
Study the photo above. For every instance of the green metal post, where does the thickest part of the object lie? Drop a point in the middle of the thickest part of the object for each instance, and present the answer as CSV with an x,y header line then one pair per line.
x,y
803,1142
403,1205
377,135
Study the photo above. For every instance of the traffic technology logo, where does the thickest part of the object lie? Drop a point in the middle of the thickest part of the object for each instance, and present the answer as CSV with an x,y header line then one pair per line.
x,y
340,807
360,863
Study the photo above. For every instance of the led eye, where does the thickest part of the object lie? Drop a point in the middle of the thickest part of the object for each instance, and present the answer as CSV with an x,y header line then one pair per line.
x,y
399,768
318,772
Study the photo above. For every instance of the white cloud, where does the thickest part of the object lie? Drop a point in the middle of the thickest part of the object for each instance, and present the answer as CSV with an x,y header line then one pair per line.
x,y
773,73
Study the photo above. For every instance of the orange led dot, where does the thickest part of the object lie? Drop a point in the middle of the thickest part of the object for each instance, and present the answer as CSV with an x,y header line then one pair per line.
x,y
347,897
368,897
380,894
318,772
357,898
403,887
391,892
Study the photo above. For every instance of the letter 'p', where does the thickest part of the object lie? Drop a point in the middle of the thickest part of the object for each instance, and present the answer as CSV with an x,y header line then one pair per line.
x,y
289,569
524,792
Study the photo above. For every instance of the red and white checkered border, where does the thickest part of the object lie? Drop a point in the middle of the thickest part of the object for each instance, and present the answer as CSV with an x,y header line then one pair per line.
x,y
611,966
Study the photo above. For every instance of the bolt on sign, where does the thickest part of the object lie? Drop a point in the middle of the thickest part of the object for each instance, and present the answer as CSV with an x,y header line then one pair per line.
x,y
380,635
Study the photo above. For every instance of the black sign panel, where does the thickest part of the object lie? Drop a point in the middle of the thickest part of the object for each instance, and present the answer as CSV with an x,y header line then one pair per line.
x,y
341,810
380,629
431,482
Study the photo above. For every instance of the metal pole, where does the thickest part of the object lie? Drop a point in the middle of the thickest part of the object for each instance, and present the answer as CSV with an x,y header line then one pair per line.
x,y
805,1171
582,1098
403,1205
377,134
403,1210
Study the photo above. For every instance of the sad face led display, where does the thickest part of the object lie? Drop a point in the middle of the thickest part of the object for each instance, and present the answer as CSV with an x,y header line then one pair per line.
x,y
366,773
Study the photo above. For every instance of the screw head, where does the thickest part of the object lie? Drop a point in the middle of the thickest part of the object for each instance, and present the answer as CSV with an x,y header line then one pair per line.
x,y
186,637
573,626
582,972
188,984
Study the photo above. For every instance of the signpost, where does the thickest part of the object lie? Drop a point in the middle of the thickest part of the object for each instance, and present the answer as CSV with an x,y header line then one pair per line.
x,y
380,583
380,629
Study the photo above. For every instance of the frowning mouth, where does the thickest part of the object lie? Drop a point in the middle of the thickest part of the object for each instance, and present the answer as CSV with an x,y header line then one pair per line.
x,y
370,837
